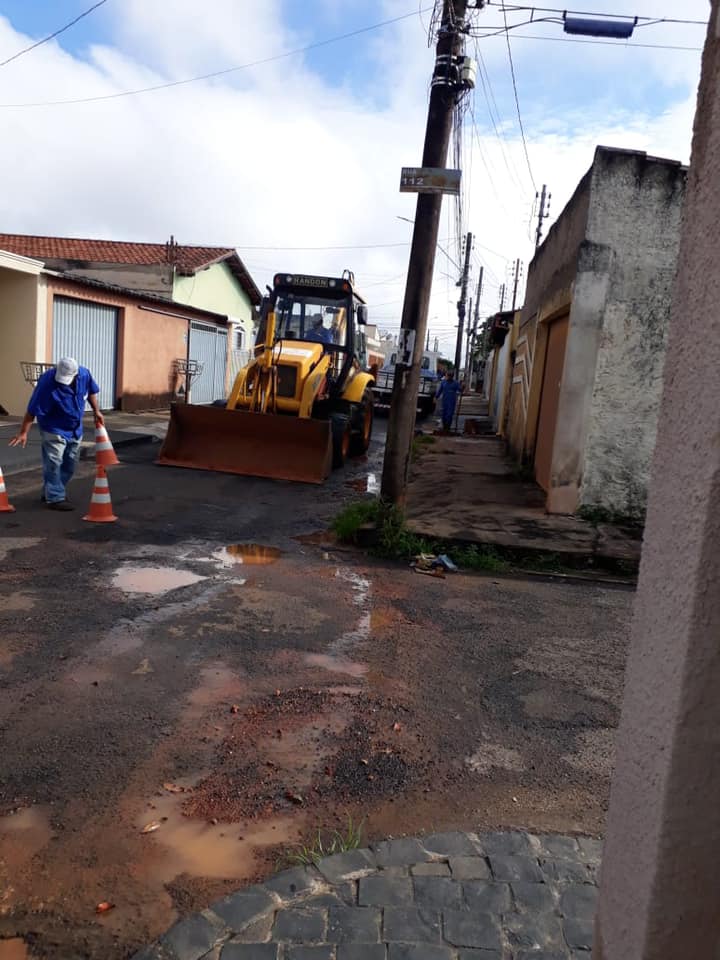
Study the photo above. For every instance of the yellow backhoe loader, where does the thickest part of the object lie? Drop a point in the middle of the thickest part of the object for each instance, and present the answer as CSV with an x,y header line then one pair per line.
x,y
302,405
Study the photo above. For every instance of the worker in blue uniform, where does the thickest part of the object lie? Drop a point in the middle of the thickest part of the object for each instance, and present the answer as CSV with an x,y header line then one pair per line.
x,y
448,391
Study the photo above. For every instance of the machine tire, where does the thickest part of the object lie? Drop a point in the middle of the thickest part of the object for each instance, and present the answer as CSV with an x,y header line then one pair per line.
x,y
364,417
341,438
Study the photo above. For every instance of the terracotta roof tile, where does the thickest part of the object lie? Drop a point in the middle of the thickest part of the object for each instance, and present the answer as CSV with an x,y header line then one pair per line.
x,y
187,259
111,251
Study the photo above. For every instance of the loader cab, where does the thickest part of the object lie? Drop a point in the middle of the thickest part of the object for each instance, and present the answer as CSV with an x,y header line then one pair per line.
x,y
317,310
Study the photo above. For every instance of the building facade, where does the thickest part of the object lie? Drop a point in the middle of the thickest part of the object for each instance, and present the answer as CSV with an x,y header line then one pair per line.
x,y
133,311
590,350
131,341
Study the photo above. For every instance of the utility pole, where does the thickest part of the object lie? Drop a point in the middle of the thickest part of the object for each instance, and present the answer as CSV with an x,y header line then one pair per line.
x,y
518,271
461,304
469,360
543,212
502,297
445,90
427,340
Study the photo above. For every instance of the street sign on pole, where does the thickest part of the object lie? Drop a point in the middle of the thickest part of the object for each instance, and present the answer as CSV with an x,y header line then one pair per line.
x,y
430,180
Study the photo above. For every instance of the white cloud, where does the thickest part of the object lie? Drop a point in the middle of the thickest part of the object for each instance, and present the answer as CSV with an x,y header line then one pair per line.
x,y
280,156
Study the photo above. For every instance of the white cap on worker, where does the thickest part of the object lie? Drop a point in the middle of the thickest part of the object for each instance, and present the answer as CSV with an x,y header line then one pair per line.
x,y
66,370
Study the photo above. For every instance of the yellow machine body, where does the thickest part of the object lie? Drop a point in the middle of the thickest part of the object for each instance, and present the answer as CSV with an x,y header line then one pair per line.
x,y
270,426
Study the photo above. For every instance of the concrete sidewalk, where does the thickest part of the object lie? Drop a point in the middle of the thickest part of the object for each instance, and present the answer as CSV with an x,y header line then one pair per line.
x,y
463,488
124,429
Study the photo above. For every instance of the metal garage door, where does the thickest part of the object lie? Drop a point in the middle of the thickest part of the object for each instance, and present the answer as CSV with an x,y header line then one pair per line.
x,y
208,344
88,332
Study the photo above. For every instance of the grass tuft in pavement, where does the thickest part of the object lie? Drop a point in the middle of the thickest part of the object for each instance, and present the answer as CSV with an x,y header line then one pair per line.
x,y
306,854
393,540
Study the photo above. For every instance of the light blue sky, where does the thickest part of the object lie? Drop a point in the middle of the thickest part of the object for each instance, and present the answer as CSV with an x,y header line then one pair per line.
x,y
547,71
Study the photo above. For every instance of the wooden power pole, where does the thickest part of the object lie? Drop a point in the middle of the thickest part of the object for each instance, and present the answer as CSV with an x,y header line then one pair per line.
x,y
462,304
445,89
543,213
516,279
472,334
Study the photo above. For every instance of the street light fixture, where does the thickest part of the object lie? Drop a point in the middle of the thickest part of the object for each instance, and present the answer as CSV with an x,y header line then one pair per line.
x,y
620,29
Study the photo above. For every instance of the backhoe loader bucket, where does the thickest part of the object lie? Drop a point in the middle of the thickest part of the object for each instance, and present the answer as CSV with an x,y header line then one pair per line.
x,y
252,444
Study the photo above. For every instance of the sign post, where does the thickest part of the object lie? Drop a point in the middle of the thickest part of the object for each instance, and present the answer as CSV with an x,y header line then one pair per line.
x,y
430,180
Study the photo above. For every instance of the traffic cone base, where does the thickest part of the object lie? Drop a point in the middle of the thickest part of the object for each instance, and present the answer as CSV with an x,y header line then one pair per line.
x,y
5,505
104,451
101,510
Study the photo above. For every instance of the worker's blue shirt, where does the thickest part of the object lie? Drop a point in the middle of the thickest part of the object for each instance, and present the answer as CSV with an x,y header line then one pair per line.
x,y
448,391
59,409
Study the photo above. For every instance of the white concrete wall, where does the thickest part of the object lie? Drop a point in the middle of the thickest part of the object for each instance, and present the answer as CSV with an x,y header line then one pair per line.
x,y
635,214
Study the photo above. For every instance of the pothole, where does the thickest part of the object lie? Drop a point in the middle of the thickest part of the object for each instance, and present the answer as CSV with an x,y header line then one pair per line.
x,y
152,580
252,554
326,661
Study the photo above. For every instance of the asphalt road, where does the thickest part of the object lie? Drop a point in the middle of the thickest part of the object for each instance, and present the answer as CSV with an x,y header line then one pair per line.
x,y
151,681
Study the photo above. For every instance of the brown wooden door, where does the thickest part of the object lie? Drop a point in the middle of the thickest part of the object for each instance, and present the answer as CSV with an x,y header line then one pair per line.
x,y
550,399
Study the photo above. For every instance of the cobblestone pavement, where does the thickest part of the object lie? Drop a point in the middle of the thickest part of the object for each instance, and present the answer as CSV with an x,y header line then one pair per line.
x,y
448,896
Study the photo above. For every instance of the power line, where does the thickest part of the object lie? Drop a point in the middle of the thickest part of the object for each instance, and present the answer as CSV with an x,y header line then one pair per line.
x,y
590,13
601,43
487,87
517,101
352,246
217,73
52,36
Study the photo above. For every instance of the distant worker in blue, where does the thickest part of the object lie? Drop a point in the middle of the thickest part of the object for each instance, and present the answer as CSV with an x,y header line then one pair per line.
x,y
58,402
318,333
448,392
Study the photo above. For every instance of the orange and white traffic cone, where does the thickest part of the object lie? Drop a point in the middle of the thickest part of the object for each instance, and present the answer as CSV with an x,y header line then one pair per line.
x,y
104,451
5,505
101,510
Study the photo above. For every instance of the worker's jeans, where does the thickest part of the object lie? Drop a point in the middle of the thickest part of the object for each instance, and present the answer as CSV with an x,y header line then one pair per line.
x,y
60,457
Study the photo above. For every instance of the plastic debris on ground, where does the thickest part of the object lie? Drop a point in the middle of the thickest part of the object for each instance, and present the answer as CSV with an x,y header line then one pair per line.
x,y
432,565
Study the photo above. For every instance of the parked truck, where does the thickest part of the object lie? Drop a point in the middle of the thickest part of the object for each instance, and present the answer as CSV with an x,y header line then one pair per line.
x,y
383,386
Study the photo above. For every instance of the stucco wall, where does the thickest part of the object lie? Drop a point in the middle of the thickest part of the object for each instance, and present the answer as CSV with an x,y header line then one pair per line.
x,y
151,343
151,278
661,871
634,217
18,336
216,289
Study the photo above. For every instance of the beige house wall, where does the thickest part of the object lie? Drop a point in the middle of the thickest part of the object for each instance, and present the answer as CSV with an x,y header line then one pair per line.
x,y
19,328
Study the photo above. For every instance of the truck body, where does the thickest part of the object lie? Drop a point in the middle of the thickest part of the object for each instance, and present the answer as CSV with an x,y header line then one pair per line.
x,y
383,387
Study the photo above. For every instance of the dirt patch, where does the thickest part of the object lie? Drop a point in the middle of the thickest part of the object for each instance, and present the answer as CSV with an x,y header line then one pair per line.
x,y
457,703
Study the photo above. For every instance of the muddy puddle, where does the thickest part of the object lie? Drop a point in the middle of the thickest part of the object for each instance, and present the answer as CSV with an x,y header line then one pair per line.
x,y
23,834
18,603
221,851
366,484
152,580
15,949
251,554
336,664
218,686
